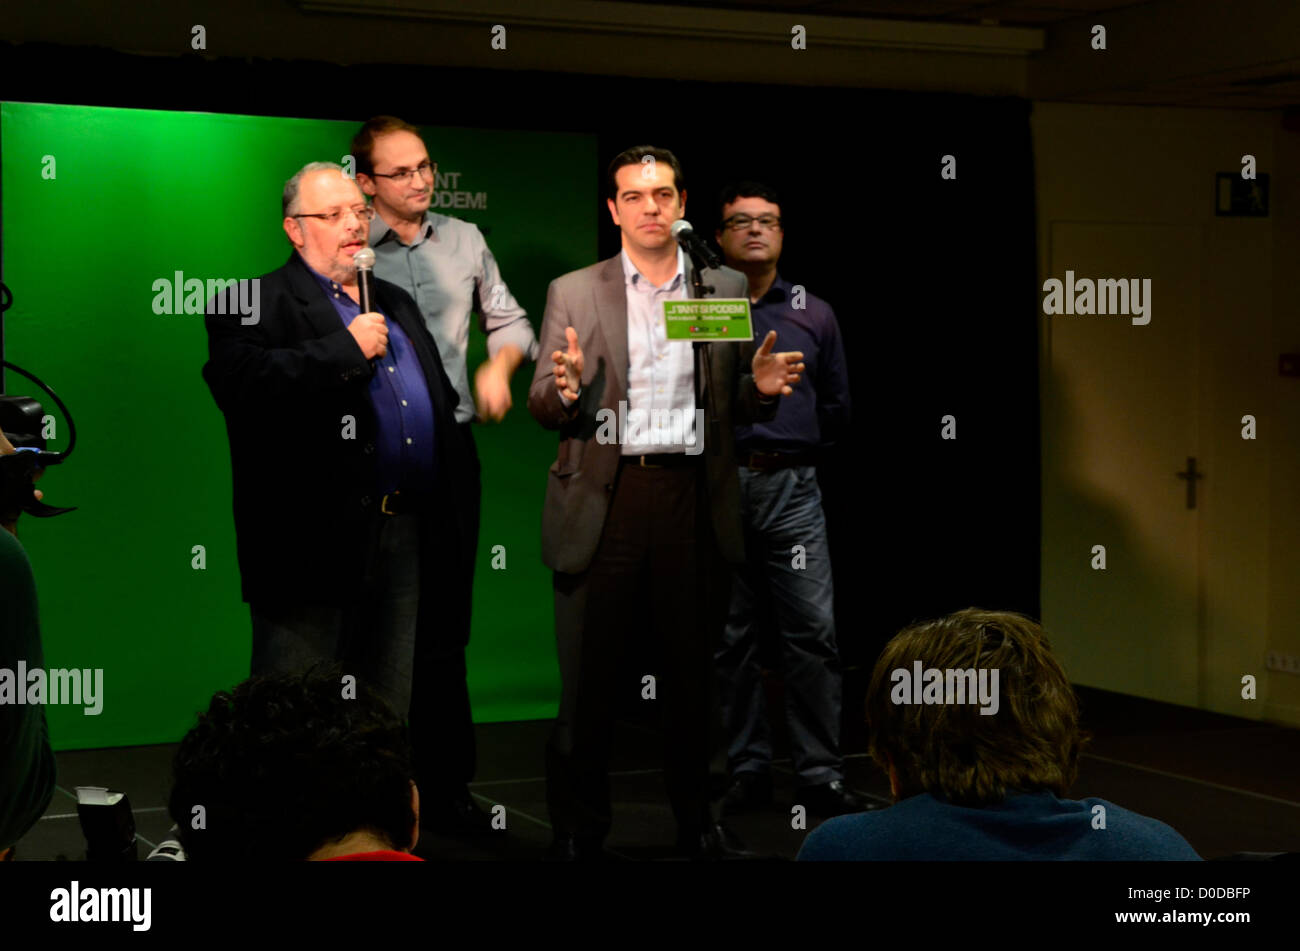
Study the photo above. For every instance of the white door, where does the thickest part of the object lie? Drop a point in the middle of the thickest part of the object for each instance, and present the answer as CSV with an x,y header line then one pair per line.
x,y
1119,421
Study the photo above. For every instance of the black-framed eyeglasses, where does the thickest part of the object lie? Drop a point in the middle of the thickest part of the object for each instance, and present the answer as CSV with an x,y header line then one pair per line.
x,y
424,169
741,222
332,217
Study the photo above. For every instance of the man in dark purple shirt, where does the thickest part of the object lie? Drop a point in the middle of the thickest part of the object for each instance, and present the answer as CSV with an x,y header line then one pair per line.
x,y
346,462
788,574
403,411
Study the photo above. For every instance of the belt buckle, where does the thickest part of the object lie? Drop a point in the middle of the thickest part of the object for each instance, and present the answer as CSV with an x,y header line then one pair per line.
x,y
383,504
649,465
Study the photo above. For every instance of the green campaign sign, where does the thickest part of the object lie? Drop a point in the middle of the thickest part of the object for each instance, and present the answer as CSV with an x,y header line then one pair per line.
x,y
722,318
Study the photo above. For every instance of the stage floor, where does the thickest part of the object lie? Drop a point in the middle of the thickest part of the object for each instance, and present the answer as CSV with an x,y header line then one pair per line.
x,y
1227,785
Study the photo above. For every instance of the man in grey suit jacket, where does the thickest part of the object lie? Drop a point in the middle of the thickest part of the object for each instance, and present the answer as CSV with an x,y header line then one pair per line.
x,y
639,524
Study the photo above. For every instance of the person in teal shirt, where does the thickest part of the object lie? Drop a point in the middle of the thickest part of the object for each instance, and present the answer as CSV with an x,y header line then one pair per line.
x,y
26,760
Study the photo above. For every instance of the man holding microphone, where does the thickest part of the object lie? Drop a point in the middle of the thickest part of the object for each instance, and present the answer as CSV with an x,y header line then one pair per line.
x,y
345,454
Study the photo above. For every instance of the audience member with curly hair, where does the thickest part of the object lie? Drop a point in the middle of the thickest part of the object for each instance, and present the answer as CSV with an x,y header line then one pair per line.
x,y
287,768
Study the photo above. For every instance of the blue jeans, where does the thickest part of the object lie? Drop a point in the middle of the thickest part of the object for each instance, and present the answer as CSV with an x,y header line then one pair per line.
x,y
372,637
782,509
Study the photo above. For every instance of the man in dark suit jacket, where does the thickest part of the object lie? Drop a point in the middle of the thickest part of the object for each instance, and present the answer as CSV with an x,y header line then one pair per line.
x,y
347,466
638,523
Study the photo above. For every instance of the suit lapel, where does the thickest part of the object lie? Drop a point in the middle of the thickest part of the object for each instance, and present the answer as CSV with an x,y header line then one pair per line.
x,y
324,319
318,310
610,297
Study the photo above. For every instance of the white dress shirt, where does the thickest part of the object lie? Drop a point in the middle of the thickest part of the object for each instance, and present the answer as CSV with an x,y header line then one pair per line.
x,y
661,372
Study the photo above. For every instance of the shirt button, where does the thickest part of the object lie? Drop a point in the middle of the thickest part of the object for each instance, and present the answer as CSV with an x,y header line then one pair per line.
x,y
408,440
403,402
391,370
365,500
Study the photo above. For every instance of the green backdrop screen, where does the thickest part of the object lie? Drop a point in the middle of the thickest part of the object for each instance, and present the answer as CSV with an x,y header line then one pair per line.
x,y
98,204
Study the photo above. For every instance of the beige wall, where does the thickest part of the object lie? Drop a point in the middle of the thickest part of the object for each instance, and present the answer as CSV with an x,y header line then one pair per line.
x,y
1156,166
1283,609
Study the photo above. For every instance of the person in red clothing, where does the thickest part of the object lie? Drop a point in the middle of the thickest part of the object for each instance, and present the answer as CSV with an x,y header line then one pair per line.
x,y
296,767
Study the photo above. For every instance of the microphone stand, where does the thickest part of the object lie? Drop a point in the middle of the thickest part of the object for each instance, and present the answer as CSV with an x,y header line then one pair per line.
x,y
702,363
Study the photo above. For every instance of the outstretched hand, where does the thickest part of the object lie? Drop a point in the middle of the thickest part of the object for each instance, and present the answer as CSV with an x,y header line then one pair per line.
x,y
568,366
776,373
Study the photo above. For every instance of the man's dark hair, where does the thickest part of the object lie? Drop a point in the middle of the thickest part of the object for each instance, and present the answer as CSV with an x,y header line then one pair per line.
x,y
363,143
953,750
745,190
635,156
284,765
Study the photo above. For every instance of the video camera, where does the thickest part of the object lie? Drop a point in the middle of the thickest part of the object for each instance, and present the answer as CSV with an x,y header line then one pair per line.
x,y
22,425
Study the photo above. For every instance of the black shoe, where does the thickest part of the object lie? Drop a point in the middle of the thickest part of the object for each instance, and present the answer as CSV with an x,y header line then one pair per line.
x,y
571,848
833,799
714,844
458,816
748,790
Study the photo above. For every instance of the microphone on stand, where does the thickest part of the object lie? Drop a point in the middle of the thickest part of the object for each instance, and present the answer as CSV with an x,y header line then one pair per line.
x,y
694,245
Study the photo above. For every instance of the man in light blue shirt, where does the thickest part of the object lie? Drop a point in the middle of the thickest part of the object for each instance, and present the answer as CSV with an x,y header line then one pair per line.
x,y
445,265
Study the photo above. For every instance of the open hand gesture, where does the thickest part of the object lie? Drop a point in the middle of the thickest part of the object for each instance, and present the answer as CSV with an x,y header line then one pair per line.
x,y
776,372
568,366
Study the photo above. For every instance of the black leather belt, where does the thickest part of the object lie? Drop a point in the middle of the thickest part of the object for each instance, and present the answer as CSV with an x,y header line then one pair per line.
x,y
400,503
777,460
663,460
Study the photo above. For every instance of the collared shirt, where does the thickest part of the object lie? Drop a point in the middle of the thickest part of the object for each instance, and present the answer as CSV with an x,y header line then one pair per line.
x,y
661,372
450,272
400,397
816,413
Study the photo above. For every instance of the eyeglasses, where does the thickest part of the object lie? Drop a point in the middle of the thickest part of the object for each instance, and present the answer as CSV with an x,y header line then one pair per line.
x,y
741,222
332,217
424,169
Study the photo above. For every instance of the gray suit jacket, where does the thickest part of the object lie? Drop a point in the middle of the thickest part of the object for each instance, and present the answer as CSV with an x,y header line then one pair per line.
x,y
594,302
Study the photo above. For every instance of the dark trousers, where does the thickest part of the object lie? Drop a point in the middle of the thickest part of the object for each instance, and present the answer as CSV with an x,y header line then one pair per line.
x,y
657,573
442,725
782,509
373,637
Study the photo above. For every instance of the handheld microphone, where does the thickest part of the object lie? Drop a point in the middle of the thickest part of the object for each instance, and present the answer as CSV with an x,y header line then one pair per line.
x,y
694,245
365,262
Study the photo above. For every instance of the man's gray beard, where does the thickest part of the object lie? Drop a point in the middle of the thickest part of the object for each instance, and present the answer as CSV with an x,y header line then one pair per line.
x,y
344,274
